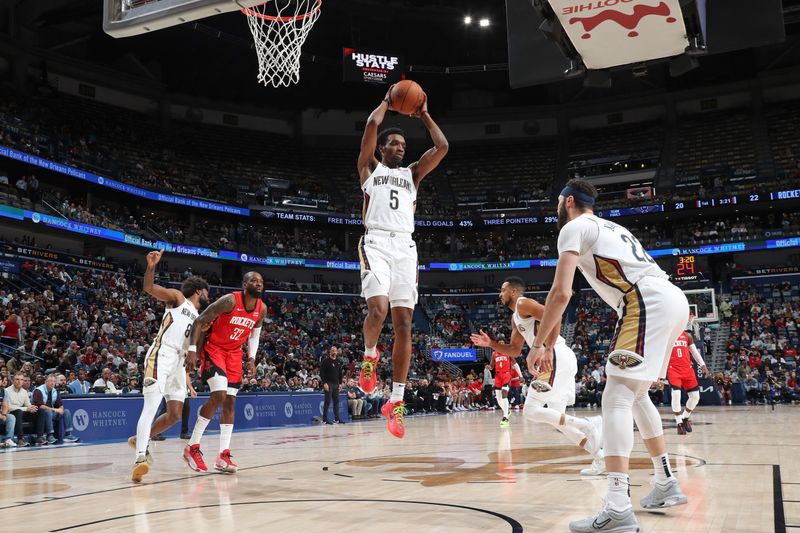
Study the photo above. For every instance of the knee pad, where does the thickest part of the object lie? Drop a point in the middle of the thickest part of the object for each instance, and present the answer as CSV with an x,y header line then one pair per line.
x,y
694,399
676,401
647,418
618,400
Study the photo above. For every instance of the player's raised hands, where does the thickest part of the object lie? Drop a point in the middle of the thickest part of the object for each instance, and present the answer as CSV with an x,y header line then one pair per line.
x,y
388,98
481,339
423,108
154,257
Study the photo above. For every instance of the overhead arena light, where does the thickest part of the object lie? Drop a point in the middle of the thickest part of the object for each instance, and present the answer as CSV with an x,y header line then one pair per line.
x,y
467,20
484,23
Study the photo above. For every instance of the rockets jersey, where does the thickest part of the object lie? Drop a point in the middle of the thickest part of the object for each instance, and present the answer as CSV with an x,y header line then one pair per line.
x,y
502,363
681,358
231,330
390,198
173,334
515,375
610,258
528,327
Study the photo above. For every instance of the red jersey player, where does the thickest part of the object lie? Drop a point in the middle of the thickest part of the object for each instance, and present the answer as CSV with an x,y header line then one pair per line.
x,y
681,375
501,364
233,320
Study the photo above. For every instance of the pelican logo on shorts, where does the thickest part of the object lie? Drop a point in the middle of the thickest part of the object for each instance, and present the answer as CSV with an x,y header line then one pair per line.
x,y
80,420
288,409
249,412
625,360
520,328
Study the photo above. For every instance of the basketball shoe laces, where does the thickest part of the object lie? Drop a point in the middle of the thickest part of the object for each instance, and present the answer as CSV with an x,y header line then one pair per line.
x,y
398,412
227,456
367,367
197,455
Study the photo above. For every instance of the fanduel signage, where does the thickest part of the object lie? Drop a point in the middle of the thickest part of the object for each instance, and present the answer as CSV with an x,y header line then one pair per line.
x,y
609,33
369,67
454,355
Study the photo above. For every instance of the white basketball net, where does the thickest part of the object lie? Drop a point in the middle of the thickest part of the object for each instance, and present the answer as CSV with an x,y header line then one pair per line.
x,y
280,28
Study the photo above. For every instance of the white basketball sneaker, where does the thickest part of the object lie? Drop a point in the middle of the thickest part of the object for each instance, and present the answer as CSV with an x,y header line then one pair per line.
x,y
598,466
668,494
608,520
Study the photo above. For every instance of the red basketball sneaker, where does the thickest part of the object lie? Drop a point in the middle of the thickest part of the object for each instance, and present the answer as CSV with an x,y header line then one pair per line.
x,y
194,458
368,377
224,462
395,424
387,408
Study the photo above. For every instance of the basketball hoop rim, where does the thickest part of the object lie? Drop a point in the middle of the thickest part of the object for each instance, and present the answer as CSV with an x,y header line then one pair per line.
x,y
250,12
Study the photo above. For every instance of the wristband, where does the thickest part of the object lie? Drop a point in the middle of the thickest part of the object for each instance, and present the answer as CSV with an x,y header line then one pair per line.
x,y
192,348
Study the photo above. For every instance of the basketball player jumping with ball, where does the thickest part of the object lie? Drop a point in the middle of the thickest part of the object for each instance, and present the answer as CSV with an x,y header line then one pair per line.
x,y
388,254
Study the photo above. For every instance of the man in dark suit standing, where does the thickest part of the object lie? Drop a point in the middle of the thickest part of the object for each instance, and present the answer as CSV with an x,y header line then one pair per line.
x,y
331,374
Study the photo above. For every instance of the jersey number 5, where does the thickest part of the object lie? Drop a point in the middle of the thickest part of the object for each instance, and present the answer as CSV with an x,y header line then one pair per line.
x,y
636,248
394,201
237,334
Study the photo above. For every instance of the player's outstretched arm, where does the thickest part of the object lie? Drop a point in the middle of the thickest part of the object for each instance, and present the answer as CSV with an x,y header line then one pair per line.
x,y
197,336
369,141
171,297
252,342
512,349
430,159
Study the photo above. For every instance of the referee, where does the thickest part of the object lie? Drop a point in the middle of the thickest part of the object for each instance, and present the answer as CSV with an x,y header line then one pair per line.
x,y
331,374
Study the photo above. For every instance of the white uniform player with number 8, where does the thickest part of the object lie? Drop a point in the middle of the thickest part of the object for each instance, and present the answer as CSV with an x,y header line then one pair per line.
x,y
164,374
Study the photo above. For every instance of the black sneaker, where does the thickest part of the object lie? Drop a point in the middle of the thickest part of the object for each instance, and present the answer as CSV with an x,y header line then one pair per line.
x,y
687,425
158,437
338,422
186,436
327,423
681,429
41,441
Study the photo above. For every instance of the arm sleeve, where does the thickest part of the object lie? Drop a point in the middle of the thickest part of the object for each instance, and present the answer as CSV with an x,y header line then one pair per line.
x,y
578,236
252,342
696,355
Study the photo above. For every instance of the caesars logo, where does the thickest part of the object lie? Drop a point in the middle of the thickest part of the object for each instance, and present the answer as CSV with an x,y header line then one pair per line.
x,y
288,409
80,420
249,412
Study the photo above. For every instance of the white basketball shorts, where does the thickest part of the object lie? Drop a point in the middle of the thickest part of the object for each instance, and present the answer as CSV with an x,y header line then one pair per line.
x,y
652,316
561,379
165,374
389,267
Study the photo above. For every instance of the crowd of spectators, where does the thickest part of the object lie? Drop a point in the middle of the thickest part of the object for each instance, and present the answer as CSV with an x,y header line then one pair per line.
x,y
761,350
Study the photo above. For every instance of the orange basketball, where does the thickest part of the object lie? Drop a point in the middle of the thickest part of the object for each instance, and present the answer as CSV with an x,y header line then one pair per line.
x,y
406,97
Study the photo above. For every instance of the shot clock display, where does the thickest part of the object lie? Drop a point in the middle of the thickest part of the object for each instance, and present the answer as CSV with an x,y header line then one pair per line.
x,y
688,267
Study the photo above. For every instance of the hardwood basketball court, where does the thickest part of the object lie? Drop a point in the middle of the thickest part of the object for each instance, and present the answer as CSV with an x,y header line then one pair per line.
x,y
459,472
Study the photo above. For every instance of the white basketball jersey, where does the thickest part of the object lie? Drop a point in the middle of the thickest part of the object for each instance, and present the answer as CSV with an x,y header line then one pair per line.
x,y
173,335
611,259
529,326
390,199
